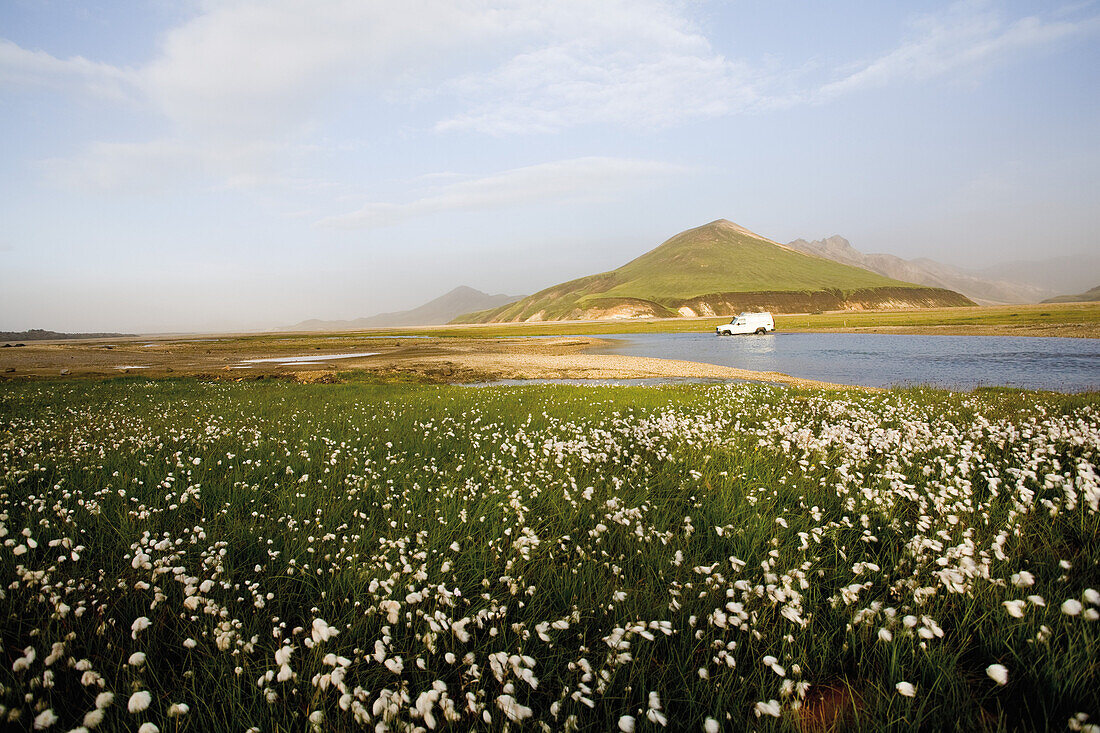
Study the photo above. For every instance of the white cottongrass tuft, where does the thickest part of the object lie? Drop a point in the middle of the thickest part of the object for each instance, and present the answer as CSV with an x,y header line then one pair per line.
x,y
139,701
710,725
770,708
626,724
140,624
998,673
45,719
907,689
1072,607
1023,579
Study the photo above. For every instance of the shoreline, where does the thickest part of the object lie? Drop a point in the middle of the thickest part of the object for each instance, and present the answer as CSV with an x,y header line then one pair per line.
x,y
430,360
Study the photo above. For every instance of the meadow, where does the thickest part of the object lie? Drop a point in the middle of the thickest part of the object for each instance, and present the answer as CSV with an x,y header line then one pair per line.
x,y
209,555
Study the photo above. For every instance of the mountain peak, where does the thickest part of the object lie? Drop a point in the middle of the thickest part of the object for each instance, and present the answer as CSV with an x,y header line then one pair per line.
x,y
719,267
725,225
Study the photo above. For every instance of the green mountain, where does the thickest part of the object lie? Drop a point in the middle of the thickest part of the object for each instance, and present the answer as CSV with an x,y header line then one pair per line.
x,y
718,269
1085,297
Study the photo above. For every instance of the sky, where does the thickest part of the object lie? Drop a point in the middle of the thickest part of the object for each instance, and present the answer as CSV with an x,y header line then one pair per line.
x,y
232,165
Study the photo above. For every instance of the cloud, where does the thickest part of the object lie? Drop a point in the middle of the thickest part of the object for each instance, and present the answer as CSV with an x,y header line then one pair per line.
x,y
20,67
967,36
576,180
243,84
574,84
244,68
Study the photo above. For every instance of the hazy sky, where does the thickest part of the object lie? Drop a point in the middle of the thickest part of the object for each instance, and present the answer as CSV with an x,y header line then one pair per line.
x,y
225,164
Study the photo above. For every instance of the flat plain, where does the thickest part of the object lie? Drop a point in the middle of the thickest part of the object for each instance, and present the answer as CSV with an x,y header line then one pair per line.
x,y
465,353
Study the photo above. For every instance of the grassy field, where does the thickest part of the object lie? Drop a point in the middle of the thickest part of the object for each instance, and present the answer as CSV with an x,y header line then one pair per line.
x,y
181,553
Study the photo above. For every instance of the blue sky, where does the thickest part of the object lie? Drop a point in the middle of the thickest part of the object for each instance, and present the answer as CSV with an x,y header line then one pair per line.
x,y
235,165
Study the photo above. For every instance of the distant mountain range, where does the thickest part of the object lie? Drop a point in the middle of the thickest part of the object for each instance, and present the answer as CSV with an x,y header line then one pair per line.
x,y
924,271
719,269
435,312
1056,275
1011,282
1085,297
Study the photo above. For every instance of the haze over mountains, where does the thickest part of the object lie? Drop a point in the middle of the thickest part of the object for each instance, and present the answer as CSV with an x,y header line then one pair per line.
x,y
722,268
441,310
925,272
1088,296
718,269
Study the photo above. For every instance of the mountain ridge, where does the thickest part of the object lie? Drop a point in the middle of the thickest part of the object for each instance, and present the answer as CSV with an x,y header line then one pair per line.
x,y
1088,296
437,311
717,269
923,271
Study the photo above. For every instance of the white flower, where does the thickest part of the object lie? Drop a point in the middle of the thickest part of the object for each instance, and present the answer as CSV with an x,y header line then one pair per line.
x,y
177,709
93,718
513,709
282,655
45,719
1015,608
908,689
1091,596
626,724
139,625
322,631
1023,579
998,673
139,701
1072,607
137,659
148,727
104,700
771,707
885,635
710,725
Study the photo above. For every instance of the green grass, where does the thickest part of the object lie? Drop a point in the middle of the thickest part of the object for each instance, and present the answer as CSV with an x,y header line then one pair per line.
x,y
714,259
274,504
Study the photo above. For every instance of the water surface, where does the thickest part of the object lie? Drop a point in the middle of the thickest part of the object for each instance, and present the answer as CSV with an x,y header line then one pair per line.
x,y
884,360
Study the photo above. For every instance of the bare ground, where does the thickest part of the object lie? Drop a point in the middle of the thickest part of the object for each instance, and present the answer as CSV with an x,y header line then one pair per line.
x,y
428,359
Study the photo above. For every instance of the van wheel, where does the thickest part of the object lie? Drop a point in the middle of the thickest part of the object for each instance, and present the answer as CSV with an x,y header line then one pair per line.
x,y
761,331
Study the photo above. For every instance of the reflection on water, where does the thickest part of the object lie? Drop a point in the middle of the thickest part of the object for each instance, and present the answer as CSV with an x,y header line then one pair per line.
x,y
307,359
883,360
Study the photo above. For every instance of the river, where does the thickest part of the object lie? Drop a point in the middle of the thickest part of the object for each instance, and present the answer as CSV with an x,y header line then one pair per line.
x,y
883,360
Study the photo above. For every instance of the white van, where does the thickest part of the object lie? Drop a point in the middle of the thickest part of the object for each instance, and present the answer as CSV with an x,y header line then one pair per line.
x,y
747,323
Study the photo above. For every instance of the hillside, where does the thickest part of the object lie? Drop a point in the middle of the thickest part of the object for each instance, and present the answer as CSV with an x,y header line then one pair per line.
x,y
1086,297
38,334
922,271
435,312
718,269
